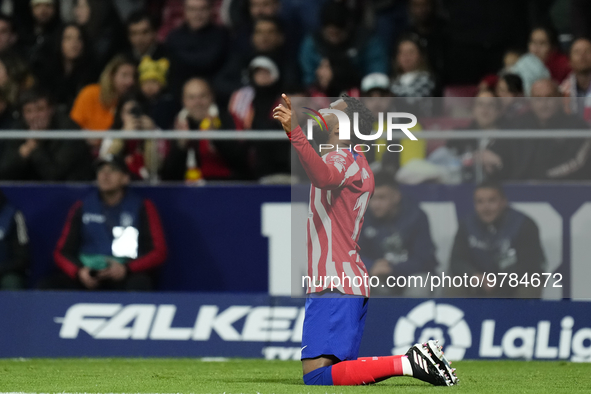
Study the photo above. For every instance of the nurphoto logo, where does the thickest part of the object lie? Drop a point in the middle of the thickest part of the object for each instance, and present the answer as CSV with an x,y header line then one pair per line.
x,y
389,126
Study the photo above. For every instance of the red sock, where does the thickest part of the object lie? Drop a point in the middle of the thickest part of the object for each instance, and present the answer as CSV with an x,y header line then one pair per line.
x,y
366,370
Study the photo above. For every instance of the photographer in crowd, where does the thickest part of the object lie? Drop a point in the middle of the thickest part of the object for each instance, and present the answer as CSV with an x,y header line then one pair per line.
x,y
112,239
142,157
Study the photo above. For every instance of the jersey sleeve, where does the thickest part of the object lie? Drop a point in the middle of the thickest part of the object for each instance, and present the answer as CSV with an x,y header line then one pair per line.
x,y
329,172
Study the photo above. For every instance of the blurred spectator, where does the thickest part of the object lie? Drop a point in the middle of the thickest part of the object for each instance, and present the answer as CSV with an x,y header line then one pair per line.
x,y
245,14
510,91
141,156
44,160
486,112
511,57
542,159
543,42
101,23
112,239
14,247
8,36
141,33
161,105
578,84
39,39
498,239
457,158
377,97
197,48
172,17
171,14
426,23
267,39
192,160
395,239
95,105
376,85
334,76
530,69
338,38
70,67
251,108
480,32
14,76
411,71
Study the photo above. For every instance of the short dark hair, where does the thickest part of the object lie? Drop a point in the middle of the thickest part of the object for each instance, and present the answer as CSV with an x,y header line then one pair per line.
x,y
491,185
140,16
33,95
385,178
514,83
335,14
366,118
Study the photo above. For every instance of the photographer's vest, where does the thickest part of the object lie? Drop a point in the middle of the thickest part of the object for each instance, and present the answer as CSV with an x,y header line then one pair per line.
x,y
493,247
7,213
99,222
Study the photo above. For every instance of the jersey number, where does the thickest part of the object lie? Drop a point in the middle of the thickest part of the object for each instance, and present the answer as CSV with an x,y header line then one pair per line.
x,y
361,204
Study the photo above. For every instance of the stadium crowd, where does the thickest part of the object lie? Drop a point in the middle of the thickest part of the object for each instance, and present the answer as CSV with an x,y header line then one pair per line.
x,y
222,64
194,65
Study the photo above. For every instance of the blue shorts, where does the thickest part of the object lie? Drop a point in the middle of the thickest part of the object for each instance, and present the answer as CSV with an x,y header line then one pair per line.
x,y
333,325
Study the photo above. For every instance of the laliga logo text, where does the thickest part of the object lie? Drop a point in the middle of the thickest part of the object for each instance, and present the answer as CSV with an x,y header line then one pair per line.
x,y
430,320
345,129
444,316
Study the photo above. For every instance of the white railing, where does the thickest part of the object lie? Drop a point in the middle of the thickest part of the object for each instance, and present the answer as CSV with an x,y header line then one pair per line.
x,y
258,135
483,137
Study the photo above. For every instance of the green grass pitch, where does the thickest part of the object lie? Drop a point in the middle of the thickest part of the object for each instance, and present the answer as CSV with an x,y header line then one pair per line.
x,y
260,376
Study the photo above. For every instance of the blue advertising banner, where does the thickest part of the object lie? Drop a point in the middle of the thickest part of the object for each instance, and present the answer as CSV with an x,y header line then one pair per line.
x,y
220,237
213,234
77,324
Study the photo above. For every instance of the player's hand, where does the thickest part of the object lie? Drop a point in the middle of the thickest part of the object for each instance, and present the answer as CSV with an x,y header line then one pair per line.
x,y
87,280
285,115
115,271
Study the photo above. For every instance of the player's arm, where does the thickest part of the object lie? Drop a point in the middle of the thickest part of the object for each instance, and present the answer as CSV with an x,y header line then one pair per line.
x,y
321,174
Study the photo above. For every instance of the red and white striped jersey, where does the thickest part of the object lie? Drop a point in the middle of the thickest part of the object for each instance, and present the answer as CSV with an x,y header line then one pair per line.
x,y
342,184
